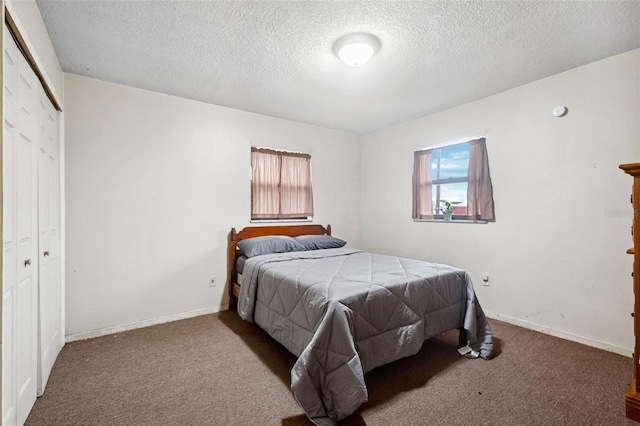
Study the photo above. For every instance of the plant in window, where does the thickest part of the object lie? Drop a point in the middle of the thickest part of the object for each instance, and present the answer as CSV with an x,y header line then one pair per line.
x,y
447,208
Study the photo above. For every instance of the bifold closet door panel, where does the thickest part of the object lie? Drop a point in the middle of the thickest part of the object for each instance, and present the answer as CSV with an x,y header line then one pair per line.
x,y
20,289
50,298
9,253
27,239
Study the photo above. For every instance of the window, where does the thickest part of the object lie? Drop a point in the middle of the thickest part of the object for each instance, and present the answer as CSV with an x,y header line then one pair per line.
x,y
449,168
280,185
457,174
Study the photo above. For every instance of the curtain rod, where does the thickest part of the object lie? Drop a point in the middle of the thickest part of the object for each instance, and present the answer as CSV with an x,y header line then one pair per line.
x,y
454,142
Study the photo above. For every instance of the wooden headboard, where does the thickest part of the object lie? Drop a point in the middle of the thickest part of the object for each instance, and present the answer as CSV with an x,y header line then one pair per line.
x,y
261,231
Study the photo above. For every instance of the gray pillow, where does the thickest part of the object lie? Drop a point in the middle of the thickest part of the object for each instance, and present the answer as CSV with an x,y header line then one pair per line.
x,y
266,245
318,242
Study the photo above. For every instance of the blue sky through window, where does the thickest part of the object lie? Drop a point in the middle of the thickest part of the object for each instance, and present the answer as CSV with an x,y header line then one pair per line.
x,y
450,162
454,162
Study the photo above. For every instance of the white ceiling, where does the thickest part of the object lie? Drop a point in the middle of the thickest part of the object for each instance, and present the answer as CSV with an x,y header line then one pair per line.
x,y
275,57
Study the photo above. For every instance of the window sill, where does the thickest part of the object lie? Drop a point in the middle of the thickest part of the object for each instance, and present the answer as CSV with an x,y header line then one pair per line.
x,y
279,220
451,221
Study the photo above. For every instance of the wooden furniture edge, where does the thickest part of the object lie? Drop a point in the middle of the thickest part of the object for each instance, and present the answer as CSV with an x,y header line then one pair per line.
x,y
632,397
260,231
631,168
231,268
632,403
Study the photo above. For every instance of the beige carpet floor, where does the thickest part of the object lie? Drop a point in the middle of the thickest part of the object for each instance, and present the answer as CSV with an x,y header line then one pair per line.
x,y
219,370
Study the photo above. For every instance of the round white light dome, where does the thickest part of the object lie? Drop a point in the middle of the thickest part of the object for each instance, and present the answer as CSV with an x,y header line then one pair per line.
x,y
356,49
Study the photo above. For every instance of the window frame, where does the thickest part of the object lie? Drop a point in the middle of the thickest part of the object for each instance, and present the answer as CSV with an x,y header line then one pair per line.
x,y
437,182
480,203
270,218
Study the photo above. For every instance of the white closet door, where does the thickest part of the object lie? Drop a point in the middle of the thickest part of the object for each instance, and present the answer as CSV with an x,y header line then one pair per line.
x,y
20,289
9,253
50,296
26,224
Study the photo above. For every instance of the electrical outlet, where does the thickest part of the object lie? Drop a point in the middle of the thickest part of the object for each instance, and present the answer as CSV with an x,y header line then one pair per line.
x,y
485,280
212,281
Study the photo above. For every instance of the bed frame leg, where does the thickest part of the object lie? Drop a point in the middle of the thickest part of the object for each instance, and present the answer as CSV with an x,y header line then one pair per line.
x,y
462,337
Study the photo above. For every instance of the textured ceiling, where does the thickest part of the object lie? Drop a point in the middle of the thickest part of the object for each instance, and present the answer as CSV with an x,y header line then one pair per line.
x,y
275,57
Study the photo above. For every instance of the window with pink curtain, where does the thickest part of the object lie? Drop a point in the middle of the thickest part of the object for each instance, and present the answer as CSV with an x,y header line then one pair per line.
x,y
422,186
454,175
280,185
480,189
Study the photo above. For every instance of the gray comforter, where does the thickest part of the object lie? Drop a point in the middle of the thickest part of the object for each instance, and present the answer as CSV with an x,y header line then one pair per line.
x,y
344,312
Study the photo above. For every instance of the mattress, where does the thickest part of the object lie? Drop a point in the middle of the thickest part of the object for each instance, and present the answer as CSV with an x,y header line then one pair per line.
x,y
240,264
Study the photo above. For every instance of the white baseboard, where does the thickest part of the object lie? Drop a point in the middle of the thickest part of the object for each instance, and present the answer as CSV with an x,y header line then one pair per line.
x,y
562,334
140,324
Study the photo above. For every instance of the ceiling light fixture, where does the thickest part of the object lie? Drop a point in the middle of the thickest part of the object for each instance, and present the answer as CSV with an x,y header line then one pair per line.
x,y
356,49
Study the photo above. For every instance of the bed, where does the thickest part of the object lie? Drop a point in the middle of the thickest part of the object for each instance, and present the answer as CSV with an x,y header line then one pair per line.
x,y
344,311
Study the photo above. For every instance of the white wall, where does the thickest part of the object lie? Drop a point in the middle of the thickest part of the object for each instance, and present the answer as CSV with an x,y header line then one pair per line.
x,y
155,183
556,259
